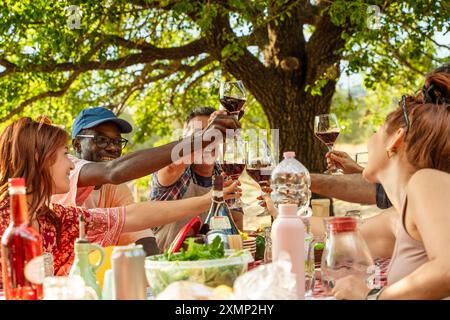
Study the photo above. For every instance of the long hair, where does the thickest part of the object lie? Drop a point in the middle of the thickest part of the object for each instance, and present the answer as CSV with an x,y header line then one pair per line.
x,y
28,150
427,142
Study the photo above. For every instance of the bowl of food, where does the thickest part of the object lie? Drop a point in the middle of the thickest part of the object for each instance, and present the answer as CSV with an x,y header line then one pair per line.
x,y
208,264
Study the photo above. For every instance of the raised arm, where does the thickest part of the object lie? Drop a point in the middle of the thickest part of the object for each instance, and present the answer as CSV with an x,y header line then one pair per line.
x,y
144,162
347,187
155,213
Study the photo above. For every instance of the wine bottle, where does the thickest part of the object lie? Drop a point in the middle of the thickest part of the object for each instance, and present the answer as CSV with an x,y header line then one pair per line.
x,y
219,216
21,249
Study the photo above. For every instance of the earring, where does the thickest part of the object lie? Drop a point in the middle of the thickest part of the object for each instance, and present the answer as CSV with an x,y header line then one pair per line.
x,y
390,153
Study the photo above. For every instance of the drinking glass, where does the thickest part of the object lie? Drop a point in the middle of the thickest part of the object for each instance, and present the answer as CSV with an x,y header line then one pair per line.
x,y
232,159
232,96
67,288
260,163
326,128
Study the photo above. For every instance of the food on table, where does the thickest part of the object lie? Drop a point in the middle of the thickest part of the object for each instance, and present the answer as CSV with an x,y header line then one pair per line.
x,y
222,292
244,235
208,264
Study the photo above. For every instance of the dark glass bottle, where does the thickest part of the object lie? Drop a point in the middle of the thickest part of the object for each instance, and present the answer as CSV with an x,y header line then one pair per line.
x,y
219,216
21,249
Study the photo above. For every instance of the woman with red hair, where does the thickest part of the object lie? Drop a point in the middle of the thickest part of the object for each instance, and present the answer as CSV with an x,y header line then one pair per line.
x,y
410,157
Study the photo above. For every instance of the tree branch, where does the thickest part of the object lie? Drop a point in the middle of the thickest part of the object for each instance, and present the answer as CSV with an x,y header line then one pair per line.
x,y
189,70
197,79
307,13
149,54
321,48
9,67
41,96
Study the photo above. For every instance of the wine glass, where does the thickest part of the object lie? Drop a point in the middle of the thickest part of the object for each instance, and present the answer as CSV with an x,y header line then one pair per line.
x,y
260,164
232,159
326,128
232,96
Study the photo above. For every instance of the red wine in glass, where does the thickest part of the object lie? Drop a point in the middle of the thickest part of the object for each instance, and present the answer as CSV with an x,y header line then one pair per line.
x,y
326,128
261,174
329,137
232,105
233,170
232,96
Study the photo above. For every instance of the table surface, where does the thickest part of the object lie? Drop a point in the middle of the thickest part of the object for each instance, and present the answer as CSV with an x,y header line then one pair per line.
x,y
319,293
382,264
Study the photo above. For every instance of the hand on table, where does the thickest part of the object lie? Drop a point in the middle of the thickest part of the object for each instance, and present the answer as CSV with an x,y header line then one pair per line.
x,y
350,288
343,161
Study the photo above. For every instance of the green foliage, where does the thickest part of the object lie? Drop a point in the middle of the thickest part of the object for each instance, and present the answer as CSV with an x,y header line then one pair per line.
x,y
157,95
362,111
196,251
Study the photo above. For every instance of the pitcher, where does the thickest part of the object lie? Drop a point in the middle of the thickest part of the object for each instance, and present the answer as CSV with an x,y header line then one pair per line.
x,y
82,265
346,252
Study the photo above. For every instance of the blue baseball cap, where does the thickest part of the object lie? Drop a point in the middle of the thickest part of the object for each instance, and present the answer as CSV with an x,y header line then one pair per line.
x,y
92,117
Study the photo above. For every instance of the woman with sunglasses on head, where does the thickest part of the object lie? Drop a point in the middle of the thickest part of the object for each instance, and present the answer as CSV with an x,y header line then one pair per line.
x,y
37,152
410,157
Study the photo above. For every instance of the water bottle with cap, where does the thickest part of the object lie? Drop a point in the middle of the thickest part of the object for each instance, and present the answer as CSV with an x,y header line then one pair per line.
x,y
291,182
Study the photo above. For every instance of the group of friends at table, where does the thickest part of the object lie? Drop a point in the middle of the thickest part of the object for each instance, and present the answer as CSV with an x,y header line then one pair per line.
x,y
408,175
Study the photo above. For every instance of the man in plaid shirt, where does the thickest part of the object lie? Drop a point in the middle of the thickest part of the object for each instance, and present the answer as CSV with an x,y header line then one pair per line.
x,y
181,181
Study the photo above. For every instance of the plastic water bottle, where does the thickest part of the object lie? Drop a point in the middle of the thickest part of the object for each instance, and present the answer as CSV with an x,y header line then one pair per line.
x,y
288,236
291,182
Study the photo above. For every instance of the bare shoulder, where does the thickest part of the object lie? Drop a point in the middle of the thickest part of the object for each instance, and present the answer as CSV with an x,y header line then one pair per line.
x,y
430,179
428,186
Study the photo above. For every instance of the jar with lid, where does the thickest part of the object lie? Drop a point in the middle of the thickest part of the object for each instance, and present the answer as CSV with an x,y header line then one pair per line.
x,y
345,253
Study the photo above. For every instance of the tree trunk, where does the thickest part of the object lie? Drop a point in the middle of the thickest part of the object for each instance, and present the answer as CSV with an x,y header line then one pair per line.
x,y
279,85
294,117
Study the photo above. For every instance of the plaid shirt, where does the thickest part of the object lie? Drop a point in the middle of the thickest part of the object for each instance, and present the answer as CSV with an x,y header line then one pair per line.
x,y
177,190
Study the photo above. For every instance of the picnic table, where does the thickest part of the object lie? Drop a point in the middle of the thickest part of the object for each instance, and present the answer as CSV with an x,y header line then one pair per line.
x,y
319,292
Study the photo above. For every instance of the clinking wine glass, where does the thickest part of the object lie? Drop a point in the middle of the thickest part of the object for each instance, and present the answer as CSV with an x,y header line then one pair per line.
x,y
326,128
232,159
260,164
232,97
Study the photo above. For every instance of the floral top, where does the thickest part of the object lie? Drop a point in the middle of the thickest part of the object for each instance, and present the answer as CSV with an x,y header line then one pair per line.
x,y
103,226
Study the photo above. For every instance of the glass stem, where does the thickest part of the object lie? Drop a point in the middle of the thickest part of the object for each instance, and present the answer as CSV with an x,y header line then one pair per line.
x,y
330,149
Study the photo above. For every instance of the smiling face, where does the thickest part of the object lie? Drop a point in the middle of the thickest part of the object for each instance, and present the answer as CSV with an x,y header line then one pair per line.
x,y
87,149
60,171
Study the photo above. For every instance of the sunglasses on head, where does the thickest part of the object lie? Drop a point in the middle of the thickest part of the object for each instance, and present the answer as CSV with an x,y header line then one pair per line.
x,y
405,112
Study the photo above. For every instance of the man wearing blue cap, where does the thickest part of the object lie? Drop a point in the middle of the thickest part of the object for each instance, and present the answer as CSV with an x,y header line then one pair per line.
x,y
100,171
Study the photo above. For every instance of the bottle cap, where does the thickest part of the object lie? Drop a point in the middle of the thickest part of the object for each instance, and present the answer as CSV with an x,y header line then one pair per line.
x,y
217,182
16,182
287,210
289,154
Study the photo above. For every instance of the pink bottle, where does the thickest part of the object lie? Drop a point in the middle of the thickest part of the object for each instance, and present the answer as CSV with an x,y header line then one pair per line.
x,y
288,234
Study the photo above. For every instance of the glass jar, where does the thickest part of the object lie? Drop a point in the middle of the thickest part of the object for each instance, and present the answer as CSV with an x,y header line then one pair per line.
x,y
345,253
